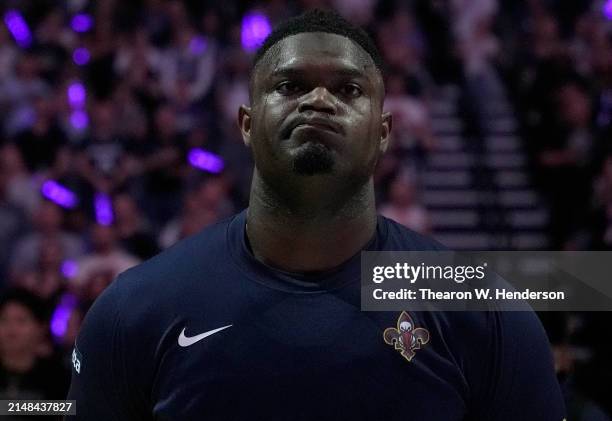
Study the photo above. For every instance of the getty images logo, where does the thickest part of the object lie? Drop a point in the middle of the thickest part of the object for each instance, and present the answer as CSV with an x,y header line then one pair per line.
x,y
76,359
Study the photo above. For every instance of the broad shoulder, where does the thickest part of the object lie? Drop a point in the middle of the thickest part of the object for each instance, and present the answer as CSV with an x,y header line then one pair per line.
x,y
183,263
400,238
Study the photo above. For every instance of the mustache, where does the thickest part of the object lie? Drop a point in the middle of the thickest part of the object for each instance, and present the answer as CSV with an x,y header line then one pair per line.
x,y
323,122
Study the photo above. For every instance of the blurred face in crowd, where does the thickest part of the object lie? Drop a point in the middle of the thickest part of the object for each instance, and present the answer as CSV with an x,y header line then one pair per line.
x,y
27,67
165,121
104,118
125,208
401,192
546,28
316,110
213,192
48,218
10,160
20,331
575,106
103,238
396,85
51,254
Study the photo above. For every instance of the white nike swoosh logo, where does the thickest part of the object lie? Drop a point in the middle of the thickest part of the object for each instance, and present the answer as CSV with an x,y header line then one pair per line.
x,y
185,341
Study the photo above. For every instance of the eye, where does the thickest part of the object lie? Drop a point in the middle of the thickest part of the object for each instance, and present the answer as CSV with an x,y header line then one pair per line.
x,y
288,88
351,90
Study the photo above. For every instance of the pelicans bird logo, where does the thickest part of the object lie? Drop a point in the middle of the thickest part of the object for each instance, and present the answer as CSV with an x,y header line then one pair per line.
x,y
406,338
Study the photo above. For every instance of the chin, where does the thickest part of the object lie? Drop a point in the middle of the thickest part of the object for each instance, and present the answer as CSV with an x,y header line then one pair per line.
x,y
313,159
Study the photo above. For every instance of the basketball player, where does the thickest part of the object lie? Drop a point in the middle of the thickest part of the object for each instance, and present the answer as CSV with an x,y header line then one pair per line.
x,y
258,317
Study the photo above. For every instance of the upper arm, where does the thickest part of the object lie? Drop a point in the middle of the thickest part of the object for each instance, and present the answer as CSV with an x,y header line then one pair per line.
x,y
99,383
519,381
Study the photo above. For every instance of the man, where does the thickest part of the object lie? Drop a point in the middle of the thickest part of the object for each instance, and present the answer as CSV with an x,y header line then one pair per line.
x,y
24,372
258,317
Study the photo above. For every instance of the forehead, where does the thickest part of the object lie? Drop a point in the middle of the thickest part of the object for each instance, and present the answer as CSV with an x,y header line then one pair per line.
x,y
317,50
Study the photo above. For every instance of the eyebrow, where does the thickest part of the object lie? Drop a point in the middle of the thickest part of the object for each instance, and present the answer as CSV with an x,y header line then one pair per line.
x,y
353,73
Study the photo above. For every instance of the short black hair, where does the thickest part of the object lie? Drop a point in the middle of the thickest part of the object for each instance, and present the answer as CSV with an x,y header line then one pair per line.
x,y
318,20
321,21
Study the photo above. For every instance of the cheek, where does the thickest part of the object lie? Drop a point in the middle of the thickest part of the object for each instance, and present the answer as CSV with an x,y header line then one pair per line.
x,y
270,118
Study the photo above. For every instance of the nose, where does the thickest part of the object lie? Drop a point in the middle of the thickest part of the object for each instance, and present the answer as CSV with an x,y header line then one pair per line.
x,y
319,99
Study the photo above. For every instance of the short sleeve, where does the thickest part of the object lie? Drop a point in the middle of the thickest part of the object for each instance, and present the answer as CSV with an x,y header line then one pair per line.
x,y
517,380
99,384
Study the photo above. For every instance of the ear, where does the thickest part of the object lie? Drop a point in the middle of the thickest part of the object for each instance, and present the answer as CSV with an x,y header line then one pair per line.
x,y
385,132
244,122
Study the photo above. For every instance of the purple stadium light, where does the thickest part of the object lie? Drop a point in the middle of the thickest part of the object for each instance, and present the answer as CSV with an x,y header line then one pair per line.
x,y
607,10
70,269
255,28
18,28
61,315
197,45
79,120
205,160
59,194
81,56
76,95
81,22
103,208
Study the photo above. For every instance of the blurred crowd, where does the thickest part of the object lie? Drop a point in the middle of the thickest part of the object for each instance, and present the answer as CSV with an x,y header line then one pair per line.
x,y
118,134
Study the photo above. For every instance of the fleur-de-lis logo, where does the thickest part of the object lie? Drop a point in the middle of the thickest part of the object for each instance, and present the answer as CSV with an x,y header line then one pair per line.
x,y
406,338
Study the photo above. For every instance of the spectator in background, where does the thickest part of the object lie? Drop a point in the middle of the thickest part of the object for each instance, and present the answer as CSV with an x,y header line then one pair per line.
x,y
106,255
26,369
188,65
18,92
65,172
197,212
213,194
21,189
403,47
561,329
403,207
40,142
130,116
54,41
543,68
358,12
133,228
137,66
163,166
12,225
47,223
478,48
413,137
589,33
602,68
8,57
137,61
45,279
102,151
153,65
565,159
601,227
232,91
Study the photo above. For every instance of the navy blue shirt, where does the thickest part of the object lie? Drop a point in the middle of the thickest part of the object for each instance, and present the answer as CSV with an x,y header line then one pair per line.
x,y
204,331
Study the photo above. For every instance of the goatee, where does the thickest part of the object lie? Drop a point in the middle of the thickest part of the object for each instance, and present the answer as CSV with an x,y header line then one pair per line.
x,y
313,158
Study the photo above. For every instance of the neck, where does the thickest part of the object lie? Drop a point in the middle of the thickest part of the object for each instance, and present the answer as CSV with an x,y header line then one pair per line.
x,y
312,230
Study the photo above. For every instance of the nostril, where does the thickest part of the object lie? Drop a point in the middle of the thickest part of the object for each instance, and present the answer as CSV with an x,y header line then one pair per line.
x,y
318,107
